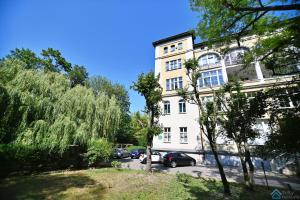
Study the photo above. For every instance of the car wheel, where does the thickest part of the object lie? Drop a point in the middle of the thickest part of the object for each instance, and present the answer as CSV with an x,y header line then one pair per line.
x,y
193,163
173,164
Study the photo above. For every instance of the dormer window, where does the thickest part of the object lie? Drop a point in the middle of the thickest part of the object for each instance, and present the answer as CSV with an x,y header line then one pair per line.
x,y
172,48
165,50
179,46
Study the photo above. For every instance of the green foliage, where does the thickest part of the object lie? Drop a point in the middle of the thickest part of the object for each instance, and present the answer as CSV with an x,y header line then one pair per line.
x,y
44,111
226,21
78,75
183,178
138,126
54,62
98,150
101,84
116,164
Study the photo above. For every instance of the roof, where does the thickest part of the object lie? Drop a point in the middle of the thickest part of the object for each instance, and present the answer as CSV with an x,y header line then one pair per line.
x,y
174,37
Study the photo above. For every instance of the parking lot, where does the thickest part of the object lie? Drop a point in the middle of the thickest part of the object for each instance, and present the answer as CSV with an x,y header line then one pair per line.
x,y
233,174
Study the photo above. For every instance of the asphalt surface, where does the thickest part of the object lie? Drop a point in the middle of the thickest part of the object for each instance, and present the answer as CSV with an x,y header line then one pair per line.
x,y
233,174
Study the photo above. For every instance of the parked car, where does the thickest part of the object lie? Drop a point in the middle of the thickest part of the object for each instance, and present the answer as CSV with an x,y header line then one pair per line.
x,y
136,153
121,153
175,159
155,157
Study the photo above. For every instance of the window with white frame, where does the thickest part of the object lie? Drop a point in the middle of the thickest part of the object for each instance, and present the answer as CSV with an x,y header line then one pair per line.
x,y
174,83
165,50
167,107
179,46
182,106
183,135
235,56
173,64
211,78
209,59
208,99
172,48
167,134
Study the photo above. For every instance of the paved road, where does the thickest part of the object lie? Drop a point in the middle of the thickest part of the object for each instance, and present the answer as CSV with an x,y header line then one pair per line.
x,y
233,174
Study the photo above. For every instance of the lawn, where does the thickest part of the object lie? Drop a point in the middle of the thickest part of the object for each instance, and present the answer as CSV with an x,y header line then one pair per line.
x,y
119,184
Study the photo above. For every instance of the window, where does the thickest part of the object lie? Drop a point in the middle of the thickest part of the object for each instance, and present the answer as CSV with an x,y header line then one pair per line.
x,y
209,59
167,108
165,50
167,134
172,48
173,64
174,83
218,104
179,46
183,135
211,78
235,56
182,106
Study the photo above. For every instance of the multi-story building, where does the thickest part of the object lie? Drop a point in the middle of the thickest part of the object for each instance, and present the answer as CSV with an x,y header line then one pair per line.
x,y
219,64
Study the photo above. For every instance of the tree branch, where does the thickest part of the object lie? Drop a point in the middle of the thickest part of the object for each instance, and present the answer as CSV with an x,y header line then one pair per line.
x,y
264,8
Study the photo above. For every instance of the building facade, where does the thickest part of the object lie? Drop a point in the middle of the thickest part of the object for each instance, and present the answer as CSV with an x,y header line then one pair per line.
x,y
219,64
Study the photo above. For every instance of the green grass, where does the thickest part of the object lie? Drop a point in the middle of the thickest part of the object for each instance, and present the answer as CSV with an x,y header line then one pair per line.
x,y
118,184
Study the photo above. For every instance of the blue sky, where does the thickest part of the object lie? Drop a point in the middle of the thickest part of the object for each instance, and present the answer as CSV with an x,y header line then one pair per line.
x,y
112,38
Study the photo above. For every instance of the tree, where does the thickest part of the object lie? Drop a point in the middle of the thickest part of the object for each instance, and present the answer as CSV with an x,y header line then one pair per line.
x,y
54,62
284,120
208,115
138,126
240,116
101,84
148,86
78,75
227,20
26,56
42,110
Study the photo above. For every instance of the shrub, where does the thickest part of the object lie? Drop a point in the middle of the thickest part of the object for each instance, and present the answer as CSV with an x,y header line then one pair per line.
x,y
183,178
98,150
116,164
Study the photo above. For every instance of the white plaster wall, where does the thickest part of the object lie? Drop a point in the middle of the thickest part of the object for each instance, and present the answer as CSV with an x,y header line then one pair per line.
x,y
175,120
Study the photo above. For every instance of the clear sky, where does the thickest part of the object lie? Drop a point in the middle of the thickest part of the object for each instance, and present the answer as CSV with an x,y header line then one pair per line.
x,y
112,38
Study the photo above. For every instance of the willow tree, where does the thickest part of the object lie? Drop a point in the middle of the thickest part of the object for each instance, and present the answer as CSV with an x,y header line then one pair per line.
x,y
207,112
53,115
148,86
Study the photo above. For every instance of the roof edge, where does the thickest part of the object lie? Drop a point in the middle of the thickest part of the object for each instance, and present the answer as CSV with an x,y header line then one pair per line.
x,y
174,37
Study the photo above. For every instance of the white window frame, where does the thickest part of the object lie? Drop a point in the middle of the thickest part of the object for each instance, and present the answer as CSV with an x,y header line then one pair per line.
x,y
182,106
183,135
173,65
210,59
174,83
166,49
218,73
173,47
167,107
180,46
233,58
167,135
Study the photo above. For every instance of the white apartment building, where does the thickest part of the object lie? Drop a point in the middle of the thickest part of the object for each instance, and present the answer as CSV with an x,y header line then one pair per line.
x,y
219,65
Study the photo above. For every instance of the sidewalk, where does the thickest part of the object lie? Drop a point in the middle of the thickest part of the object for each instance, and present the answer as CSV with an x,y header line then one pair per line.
x,y
233,174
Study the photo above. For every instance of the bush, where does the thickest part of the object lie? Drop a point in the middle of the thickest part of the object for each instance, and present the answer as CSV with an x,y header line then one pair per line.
x,y
129,149
183,178
116,164
98,150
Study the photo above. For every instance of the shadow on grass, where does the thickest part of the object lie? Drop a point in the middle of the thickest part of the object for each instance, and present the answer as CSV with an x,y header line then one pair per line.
x,y
50,187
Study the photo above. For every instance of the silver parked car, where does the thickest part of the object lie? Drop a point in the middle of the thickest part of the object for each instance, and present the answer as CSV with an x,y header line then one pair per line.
x,y
121,153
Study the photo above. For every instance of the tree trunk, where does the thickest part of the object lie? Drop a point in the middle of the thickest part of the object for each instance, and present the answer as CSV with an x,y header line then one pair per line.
x,y
251,166
148,164
244,168
221,170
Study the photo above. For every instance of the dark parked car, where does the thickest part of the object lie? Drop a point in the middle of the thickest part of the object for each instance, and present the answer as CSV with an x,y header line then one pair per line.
x,y
174,159
121,153
136,153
